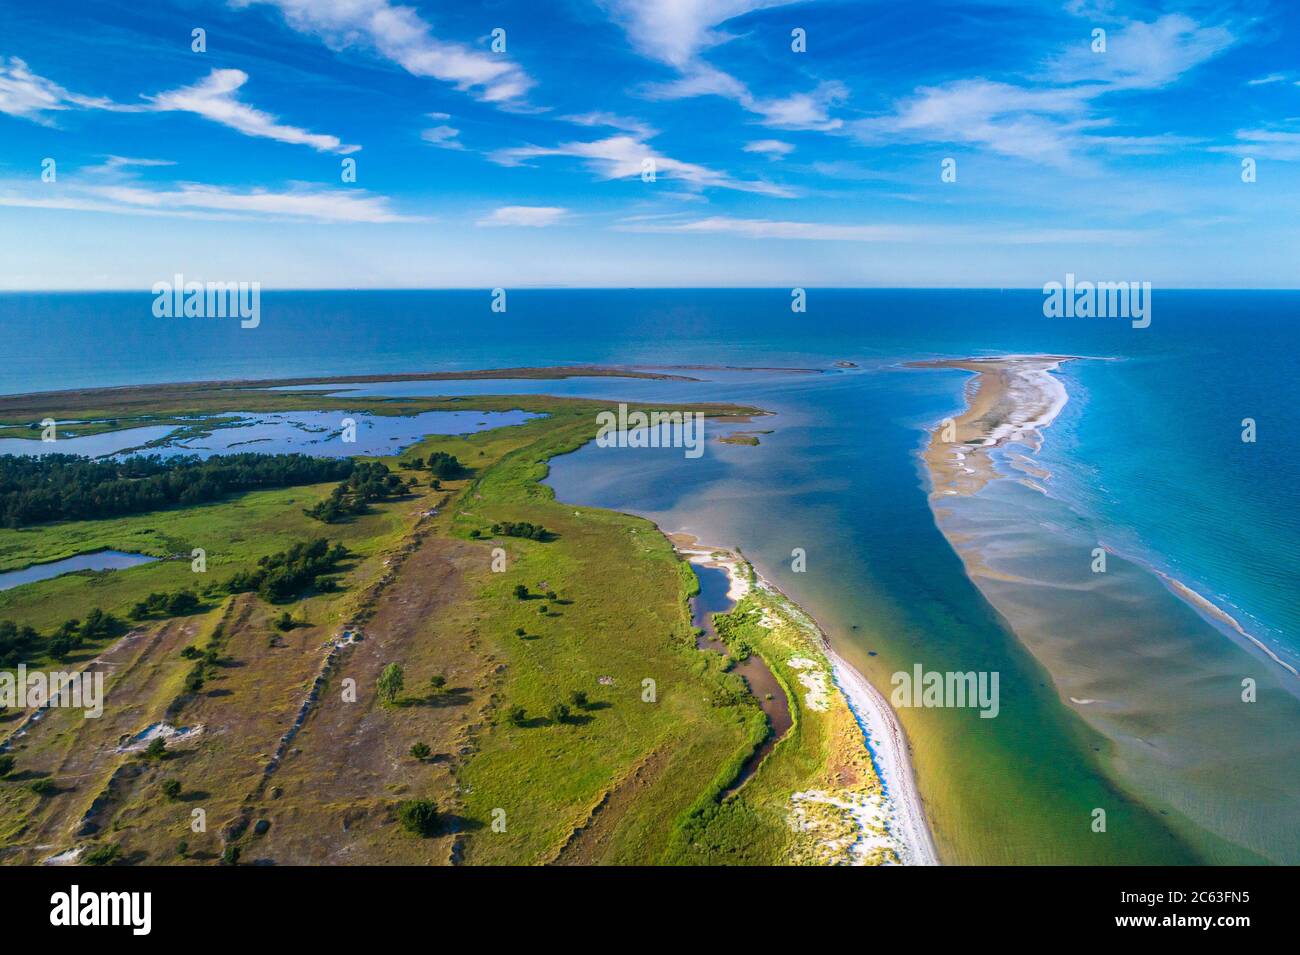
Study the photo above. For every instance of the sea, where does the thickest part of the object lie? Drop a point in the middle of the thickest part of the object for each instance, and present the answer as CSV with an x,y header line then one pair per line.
x,y
1149,713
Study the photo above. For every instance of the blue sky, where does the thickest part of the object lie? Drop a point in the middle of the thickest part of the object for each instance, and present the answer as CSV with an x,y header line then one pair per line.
x,y
772,167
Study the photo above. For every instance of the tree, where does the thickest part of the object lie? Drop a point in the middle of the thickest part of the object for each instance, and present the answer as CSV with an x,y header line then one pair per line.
x,y
6,765
171,788
436,683
579,699
181,602
560,713
515,715
419,816
391,681
421,751
102,855
520,592
156,749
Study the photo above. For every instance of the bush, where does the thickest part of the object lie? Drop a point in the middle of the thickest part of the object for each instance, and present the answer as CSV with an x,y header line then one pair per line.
x,y
419,816
156,749
421,751
44,787
181,602
521,529
6,765
515,715
520,592
171,788
106,854
391,681
560,713
579,699
436,683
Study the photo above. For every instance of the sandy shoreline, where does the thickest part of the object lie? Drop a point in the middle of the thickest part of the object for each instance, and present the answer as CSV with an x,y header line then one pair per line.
x,y
882,733
1010,399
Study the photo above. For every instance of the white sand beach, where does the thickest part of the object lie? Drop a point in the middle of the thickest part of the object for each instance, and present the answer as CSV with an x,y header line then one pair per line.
x,y
882,733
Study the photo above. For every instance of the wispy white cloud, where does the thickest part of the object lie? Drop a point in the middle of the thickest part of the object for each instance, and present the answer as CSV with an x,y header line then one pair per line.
x,y
1269,79
1143,55
214,98
873,232
1281,143
1037,124
26,95
524,216
123,165
399,34
1053,120
624,124
771,148
195,200
442,135
677,33
624,157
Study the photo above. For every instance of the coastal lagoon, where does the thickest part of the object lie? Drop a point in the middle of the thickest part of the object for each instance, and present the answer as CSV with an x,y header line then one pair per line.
x,y
318,433
1146,459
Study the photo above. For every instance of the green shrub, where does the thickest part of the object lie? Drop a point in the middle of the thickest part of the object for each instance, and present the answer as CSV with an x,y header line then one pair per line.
x,y
419,816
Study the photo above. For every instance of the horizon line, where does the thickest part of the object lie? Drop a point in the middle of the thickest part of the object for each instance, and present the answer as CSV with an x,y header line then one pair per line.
x,y
653,288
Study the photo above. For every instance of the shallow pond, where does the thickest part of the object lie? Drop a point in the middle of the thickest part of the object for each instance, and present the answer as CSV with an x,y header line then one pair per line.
x,y
99,560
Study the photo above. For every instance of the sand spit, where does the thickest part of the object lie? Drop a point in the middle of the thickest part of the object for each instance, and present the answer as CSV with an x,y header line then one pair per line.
x,y
1011,399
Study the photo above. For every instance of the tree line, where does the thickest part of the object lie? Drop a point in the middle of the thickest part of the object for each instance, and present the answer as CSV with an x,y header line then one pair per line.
x,y
66,487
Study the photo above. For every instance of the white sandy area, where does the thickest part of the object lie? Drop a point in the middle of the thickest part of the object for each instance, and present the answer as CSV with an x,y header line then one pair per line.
x,y
716,557
884,737
815,681
869,811
882,733
1039,397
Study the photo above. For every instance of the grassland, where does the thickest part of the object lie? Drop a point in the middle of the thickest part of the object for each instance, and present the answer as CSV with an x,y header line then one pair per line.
x,y
632,774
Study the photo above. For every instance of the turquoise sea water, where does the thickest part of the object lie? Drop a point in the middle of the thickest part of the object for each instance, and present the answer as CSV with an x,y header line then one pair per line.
x,y
1147,459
